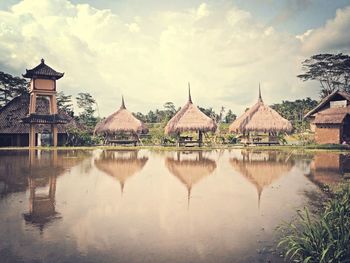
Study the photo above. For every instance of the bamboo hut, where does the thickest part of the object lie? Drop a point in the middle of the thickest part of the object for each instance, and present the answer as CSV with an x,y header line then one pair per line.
x,y
261,169
189,119
119,125
260,118
120,165
190,170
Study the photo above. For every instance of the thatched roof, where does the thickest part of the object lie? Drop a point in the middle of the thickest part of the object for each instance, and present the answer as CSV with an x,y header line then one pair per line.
x,y
12,113
190,118
332,116
120,121
121,165
190,171
261,172
260,118
335,95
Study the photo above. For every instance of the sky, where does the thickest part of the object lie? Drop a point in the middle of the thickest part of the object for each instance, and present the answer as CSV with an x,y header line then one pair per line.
x,y
148,51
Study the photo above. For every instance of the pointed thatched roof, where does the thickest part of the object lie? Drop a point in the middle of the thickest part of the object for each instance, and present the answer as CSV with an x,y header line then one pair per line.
x,y
120,121
121,165
260,118
189,118
261,171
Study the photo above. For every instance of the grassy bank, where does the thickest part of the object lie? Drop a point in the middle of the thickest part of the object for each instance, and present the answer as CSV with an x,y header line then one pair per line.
x,y
324,237
289,148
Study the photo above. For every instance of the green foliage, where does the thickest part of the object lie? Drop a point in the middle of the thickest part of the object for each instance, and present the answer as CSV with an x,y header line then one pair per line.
x,y
64,102
230,117
331,70
323,238
11,87
294,111
88,106
77,137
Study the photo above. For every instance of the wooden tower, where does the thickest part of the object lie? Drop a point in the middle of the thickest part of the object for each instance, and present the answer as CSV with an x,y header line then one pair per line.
x,y
42,83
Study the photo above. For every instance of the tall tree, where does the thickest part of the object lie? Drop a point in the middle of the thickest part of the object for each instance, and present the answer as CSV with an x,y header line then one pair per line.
x,y
11,87
331,70
88,106
64,102
230,116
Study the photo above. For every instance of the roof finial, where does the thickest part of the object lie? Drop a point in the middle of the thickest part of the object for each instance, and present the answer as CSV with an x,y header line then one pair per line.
x,y
123,104
189,93
42,61
260,98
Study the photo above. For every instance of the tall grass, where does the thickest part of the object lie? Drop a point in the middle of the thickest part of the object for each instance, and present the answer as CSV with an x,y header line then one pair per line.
x,y
320,238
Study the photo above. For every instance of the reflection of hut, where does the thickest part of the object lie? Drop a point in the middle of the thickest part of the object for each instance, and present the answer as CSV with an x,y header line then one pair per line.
x,y
119,124
329,168
260,118
261,168
120,164
189,119
190,170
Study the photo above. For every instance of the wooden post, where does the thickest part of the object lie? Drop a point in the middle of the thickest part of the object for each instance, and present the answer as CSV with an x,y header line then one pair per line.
x,y
54,134
200,138
32,135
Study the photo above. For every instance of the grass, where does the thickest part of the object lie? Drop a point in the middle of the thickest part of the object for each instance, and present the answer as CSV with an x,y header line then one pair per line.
x,y
320,238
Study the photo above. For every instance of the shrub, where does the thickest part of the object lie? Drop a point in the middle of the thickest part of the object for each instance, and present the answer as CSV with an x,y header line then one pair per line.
x,y
322,238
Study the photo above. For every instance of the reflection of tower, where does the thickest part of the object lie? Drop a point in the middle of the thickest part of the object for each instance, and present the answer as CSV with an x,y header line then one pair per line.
x,y
261,169
41,205
190,169
120,164
43,83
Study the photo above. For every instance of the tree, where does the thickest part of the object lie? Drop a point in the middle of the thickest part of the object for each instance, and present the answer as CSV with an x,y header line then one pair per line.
x,y
11,87
331,70
64,102
170,110
88,105
230,117
294,111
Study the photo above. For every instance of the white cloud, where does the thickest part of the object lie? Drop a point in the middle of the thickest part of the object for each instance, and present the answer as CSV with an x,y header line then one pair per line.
x,y
334,36
223,53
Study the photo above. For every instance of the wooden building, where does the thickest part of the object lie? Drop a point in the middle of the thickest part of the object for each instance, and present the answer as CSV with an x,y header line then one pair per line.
x,y
190,119
330,119
260,118
15,132
120,126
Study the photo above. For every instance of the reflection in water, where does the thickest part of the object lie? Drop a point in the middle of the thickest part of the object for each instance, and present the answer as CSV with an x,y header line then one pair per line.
x,y
42,205
262,168
120,164
329,168
190,168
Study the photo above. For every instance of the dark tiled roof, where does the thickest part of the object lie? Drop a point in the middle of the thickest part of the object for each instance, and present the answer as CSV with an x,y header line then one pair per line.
x,y
327,99
44,119
43,70
11,116
332,115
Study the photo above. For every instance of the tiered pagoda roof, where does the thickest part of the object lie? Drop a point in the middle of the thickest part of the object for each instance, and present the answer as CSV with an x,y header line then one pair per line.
x,y
43,71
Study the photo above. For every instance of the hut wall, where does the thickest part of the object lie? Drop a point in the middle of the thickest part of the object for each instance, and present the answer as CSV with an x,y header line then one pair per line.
x,y
325,134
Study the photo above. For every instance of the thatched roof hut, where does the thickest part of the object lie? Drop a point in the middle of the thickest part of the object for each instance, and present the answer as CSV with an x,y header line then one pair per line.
x,y
260,118
121,121
190,170
121,165
189,118
261,169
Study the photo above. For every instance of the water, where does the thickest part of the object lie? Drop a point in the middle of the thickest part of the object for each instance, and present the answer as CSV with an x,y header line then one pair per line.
x,y
148,206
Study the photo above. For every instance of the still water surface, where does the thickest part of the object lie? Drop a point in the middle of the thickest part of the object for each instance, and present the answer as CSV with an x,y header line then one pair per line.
x,y
148,206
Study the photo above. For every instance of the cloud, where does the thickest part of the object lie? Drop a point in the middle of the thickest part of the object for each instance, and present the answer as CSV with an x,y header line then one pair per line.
x,y
223,52
290,10
334,36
